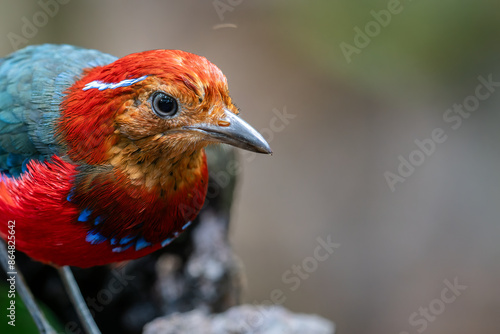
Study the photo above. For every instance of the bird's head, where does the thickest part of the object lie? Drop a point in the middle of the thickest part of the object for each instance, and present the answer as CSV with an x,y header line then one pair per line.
x,y
154,107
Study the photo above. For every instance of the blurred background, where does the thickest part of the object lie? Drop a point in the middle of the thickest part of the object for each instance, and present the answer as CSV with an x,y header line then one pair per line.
x,y
341,89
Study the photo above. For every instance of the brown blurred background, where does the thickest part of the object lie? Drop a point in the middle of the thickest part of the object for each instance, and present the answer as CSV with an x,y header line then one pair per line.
x,y
351,121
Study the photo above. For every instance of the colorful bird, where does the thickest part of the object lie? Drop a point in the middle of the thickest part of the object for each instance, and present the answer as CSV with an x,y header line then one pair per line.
x,y
102,159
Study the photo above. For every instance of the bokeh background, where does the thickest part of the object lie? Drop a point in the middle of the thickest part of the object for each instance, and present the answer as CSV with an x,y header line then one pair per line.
x,y
352,119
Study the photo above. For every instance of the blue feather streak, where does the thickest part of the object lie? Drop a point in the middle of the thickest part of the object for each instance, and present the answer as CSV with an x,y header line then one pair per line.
x,y
84,215
166,242
126,240
141,243
98,220
121,249
71,194
95,237
186,225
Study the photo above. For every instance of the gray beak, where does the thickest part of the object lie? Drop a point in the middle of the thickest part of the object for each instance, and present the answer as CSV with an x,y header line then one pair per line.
x,y
237,132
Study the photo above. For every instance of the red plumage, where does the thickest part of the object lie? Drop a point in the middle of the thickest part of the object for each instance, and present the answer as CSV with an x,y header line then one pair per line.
x,y
54,218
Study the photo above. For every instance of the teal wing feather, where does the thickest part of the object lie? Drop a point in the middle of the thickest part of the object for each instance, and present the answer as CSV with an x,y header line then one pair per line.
x,y
32,85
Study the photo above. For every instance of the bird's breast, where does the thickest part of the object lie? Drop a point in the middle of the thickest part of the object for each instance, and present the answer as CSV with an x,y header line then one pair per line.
x,y
153,202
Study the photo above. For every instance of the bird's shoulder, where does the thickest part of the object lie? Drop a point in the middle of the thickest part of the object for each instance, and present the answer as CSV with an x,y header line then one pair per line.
x,y
32,85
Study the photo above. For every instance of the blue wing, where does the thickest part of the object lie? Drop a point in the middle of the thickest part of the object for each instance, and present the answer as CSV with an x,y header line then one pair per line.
x,y
32,85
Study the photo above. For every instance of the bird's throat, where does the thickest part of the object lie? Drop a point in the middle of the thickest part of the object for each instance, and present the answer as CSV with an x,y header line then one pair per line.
x,y
157,169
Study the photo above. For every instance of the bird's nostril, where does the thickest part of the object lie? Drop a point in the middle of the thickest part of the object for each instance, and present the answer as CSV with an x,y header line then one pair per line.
x,y
223,123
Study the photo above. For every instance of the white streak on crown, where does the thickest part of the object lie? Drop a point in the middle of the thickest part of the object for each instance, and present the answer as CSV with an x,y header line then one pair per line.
x,y
106,85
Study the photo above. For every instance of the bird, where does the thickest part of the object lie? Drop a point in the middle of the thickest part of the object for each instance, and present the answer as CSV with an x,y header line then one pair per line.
x,y
101,158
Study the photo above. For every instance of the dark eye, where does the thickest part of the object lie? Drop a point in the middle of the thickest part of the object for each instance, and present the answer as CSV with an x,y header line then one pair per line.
x,y
164,105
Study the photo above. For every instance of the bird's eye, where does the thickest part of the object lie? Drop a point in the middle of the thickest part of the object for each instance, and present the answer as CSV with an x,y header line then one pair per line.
x,y
165,106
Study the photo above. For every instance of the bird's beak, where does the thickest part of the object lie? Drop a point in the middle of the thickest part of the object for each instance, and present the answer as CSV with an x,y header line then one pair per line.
x,y
234,131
